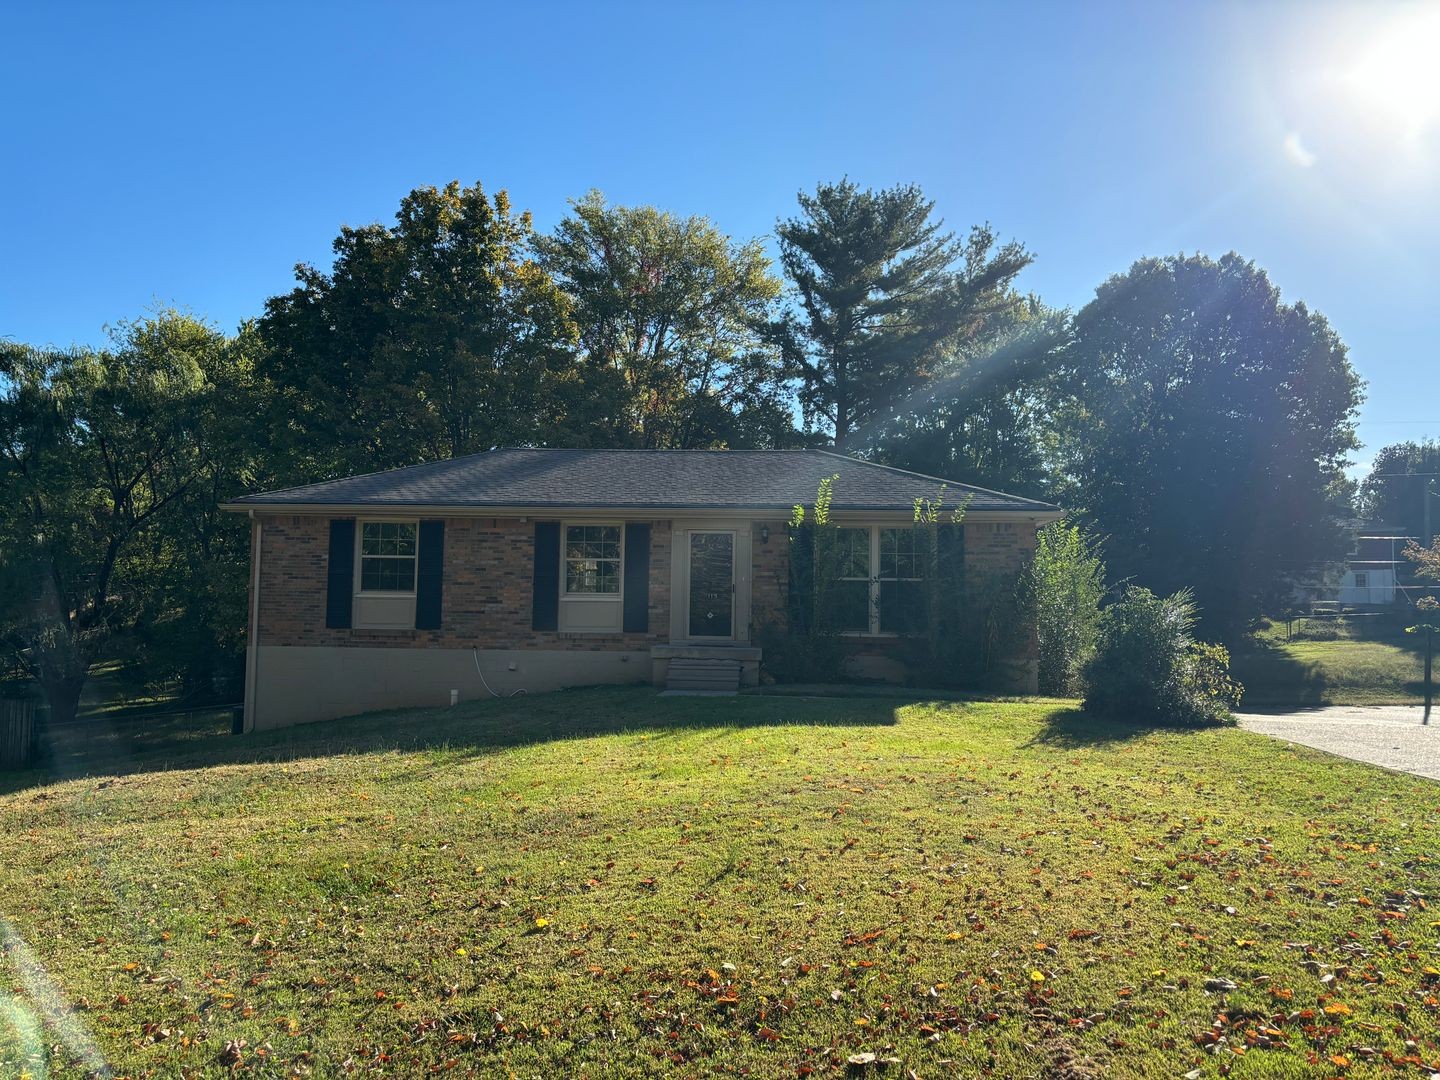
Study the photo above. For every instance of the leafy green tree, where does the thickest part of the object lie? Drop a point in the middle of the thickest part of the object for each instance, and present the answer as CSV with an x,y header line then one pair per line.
x,y
98,450
881,287
191,636
1067,583
1207,428
987,415
675,327
1394,491
437,336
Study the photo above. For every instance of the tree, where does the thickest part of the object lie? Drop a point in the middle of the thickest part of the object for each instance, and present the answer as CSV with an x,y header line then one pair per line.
x,y
98,448
192,633
674,327
987,416
1427,565
1067,583
1396,488
881,287
1426,560
434,337
1207,427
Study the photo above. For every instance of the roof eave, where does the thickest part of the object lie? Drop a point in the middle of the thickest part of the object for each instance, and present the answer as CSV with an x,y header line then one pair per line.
x,y
1039,513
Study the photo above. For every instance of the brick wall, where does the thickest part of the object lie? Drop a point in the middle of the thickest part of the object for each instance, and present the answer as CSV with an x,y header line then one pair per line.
x,y
488,573
998,547
487,590
769,573
1001,547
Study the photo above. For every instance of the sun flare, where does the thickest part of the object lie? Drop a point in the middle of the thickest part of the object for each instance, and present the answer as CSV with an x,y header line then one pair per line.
x,y
1397,74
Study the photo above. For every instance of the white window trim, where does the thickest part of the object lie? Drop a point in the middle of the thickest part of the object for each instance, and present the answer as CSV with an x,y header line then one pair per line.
x,y
360,556
588,597
874,631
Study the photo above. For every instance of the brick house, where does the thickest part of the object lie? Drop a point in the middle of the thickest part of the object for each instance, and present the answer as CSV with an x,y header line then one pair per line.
x,y
537,569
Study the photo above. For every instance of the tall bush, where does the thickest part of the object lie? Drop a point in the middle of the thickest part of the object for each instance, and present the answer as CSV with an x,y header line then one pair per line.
x,y
803,644
1149,667
1067,583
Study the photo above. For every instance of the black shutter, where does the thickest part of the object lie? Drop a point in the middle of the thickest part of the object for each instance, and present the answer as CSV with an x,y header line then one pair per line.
x,y
340,579
637,579
430,575
801,598
545,613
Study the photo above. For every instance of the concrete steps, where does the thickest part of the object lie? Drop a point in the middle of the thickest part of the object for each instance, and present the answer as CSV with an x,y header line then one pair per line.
x,y
704,676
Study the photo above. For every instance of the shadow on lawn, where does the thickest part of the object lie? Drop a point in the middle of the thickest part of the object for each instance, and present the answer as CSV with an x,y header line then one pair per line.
x,y
112,747
1271,676
1075,728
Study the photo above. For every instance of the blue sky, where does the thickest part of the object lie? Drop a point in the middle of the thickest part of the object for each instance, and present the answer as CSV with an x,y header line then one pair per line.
x,y
191,154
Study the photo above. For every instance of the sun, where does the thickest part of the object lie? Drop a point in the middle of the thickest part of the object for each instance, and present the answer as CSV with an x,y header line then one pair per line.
x,y
1396,77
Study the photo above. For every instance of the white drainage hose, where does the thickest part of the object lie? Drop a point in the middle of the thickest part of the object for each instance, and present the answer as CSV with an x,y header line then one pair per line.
x,y
514,693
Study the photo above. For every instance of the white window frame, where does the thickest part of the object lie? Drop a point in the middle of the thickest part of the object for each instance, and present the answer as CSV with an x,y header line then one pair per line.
x,y
587,597
1362,579
875,595
872,620
360,557
874,579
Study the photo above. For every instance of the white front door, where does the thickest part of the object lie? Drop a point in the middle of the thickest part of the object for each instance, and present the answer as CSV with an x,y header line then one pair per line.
x,y
710,591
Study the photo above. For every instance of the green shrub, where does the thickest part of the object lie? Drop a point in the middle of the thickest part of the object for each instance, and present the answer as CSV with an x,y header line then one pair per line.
x,y
1148,666
1067,583
816,656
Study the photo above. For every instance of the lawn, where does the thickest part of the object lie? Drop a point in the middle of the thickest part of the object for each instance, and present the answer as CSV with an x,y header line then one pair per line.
x,y
609,883
1366,663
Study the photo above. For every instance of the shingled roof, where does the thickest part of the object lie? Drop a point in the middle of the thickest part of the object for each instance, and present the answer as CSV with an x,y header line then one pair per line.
x,y
641,480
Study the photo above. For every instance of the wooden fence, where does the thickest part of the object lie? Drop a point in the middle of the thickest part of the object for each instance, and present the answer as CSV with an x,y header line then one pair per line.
x,y
17,734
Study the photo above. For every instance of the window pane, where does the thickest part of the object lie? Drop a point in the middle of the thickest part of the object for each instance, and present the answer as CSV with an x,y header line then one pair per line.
x,y
592,559
902,607
387,574
849,603
387,538
853,552
592,576
900,553
592,542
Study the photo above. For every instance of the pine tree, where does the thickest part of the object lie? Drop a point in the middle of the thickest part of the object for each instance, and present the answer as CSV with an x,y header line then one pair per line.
x,y
881,287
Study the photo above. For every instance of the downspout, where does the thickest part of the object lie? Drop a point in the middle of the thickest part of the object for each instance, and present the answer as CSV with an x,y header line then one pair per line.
x,y
252,643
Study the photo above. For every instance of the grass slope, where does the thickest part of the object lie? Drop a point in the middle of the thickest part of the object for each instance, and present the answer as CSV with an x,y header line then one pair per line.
x,y
608,883
1367,664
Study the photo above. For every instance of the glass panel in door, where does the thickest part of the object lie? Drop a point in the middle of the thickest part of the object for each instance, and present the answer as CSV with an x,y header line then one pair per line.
x,y
712,578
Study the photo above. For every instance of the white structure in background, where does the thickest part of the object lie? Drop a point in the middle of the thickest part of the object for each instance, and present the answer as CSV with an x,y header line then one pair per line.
x,y
1370,572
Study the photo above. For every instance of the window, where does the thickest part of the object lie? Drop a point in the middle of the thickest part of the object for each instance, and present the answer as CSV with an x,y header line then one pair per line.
x,y
850,595
1362,579
902,596
387,556
879,586
592,560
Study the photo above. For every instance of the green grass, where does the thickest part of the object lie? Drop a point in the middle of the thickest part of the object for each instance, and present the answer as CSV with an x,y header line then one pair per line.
x,y
1369,663
609,883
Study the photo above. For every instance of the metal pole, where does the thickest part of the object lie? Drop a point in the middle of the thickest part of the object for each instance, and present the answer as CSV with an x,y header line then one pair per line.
x,y
1428,494
1429,684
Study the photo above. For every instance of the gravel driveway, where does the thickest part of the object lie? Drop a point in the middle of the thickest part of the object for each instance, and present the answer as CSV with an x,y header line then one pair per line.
x,y
1387,735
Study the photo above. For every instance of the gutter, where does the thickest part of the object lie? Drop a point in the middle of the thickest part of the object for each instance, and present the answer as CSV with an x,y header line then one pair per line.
x,y
1040,514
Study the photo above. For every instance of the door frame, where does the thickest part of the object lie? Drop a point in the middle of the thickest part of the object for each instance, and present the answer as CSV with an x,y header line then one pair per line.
x,y
740,580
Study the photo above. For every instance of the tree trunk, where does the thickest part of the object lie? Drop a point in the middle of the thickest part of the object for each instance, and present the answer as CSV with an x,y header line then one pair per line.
x,y
63,697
